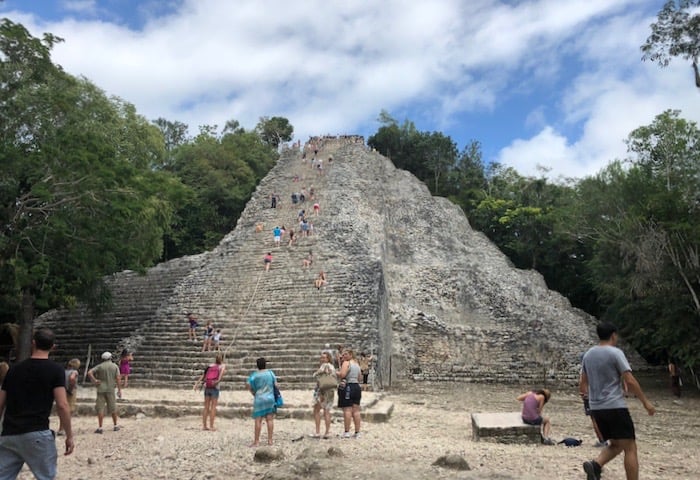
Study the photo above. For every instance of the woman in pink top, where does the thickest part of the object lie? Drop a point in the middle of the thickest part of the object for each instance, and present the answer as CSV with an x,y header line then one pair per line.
x,y
533,403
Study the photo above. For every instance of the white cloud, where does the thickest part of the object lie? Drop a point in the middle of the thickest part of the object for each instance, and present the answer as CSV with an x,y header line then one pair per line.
x,y
331,67
612,94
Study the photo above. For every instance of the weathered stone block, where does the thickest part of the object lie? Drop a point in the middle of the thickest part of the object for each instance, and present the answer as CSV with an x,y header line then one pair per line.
x,y
503,428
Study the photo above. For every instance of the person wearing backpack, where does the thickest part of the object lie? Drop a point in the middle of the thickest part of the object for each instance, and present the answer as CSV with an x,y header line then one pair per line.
x,y
210,379
326,384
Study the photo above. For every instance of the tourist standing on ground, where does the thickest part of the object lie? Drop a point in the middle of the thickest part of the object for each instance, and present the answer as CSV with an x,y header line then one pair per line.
x,y
71,376
211,378
193,324
261,384
604,370
125,360
350,393
674,372
323,397
533,404
26,397
106,377
364,362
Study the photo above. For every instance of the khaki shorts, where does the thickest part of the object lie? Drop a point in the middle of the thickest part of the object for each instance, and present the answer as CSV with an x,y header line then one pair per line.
x,y
72,401
106,398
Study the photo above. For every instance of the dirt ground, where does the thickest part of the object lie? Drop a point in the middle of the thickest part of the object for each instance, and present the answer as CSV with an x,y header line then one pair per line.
x,y
428,421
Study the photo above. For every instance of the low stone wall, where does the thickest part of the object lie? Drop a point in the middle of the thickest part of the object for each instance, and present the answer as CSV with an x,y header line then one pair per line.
x,y
504,428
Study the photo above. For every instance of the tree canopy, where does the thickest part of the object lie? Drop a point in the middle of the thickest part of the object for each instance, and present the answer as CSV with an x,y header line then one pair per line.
x,y
273,131
89,187
79,196
676,33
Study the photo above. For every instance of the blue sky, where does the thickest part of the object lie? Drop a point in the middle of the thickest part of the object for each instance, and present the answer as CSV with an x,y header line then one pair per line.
x,y
539,83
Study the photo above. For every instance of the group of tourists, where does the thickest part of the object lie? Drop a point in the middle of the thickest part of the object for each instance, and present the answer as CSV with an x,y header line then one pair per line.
x,y
211,337
31,387
263,385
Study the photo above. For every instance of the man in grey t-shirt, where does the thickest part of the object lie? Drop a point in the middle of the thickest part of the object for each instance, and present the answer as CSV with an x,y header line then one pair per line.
x,y
605,371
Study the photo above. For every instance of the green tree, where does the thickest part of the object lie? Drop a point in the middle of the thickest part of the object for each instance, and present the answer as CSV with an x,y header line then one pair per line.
x,y
467,180
675,34
429,156
79,197
275,130
174,135
528,218
220,173
645,222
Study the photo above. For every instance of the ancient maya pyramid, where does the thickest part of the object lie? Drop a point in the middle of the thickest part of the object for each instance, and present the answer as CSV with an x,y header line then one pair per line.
x,y
409,282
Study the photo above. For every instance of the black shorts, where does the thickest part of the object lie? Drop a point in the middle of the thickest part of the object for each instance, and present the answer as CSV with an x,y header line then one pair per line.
x,y
537,421
350,395
614,423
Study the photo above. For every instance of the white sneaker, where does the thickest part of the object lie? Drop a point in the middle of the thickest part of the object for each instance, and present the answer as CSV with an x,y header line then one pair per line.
x,y
357,435
346,435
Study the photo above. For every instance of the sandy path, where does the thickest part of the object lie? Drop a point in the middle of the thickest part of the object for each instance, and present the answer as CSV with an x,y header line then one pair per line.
x,y
428,421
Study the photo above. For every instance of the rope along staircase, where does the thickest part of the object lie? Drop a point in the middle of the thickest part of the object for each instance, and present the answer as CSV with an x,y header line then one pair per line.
x,y
278,314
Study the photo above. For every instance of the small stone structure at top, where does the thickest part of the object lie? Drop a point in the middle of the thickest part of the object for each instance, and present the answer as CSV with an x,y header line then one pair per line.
x,y
409,282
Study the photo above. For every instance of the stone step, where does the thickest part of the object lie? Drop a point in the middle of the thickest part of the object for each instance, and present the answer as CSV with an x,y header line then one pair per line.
x,y
232,404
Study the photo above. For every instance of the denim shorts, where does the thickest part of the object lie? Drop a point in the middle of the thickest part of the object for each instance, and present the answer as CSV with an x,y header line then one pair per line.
x,y
36,449
211,392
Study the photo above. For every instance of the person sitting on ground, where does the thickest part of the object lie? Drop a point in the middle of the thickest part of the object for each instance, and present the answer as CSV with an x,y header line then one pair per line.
x,y
320,280
533,403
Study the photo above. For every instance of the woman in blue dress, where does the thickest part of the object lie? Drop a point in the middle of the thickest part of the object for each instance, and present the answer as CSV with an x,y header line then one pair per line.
x,y
261,384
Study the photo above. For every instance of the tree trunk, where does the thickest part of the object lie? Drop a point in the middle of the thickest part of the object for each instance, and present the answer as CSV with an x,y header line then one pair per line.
x,y
26,327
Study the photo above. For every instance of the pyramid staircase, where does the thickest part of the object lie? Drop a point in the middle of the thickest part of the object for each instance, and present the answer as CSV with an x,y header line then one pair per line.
x,y
277,314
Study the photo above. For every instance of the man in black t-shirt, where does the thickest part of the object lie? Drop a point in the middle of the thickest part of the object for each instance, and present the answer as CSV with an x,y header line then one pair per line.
x,y
26,397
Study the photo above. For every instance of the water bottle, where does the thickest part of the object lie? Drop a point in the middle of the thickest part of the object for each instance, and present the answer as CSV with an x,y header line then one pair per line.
x,y
347,392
